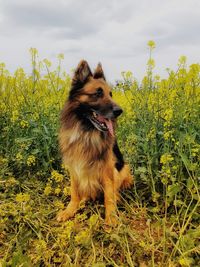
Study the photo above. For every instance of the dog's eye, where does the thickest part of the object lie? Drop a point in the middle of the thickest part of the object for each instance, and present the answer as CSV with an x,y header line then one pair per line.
x,y
111,94
99,92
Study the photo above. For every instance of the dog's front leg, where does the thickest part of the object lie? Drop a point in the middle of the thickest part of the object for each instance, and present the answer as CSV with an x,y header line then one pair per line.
x,y
73,204
110,198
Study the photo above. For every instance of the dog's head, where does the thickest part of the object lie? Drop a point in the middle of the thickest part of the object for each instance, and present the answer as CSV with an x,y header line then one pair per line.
x,y
93,98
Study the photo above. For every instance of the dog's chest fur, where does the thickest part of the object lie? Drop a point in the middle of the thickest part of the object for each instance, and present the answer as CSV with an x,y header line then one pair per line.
x,y
86,156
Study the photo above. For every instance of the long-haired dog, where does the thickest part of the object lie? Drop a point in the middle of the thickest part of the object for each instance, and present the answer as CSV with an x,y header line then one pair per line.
x,y
88,143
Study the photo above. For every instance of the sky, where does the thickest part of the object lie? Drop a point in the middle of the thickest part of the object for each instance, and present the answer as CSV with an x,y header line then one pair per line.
x,y
113,32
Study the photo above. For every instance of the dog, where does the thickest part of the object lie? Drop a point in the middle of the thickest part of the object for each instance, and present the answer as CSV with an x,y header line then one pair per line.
x,y
88,143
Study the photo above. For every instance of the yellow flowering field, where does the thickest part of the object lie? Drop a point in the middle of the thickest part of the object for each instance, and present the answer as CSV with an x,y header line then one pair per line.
x,y
159,135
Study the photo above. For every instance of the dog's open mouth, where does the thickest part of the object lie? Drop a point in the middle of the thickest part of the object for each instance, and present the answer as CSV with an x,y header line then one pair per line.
x,y
101,123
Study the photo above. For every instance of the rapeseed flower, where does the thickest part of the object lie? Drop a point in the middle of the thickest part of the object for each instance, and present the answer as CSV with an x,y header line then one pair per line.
x,y
57,191
23,124
82,238
22,197
19,156
151,44
48,190
168,115
66,191
166,158
31,160
58,177
15,116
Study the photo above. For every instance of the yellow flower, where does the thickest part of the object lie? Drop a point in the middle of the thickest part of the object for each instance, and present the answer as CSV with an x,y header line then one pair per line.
x,y
11,182
47,63
151,44
166,158
168,114
33,51
3,160
93,220
24,124
22,197
151,134
31,160
62,166
142,244
15,116
58,177
82,237
19,156
40,246
35,116
60,56
48,190
59,204
157,77
57,191
167,135
66,191
151,62
185,261
182,60
3,106
195,151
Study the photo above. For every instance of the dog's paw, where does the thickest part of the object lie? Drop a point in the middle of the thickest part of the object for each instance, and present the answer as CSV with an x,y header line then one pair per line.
x,y
63,216
127,183
111,221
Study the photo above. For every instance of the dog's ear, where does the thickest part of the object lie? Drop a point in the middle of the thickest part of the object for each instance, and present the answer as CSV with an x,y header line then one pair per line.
x,y
98,73
80,78
82,73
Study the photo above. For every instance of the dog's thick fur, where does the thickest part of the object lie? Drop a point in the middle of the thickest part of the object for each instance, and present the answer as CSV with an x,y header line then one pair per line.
x,y
88,143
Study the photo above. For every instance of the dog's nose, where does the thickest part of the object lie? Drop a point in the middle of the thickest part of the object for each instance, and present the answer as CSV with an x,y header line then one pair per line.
x,y
117,111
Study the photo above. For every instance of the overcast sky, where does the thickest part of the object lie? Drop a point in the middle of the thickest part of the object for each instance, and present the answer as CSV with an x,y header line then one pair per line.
x,y
114,32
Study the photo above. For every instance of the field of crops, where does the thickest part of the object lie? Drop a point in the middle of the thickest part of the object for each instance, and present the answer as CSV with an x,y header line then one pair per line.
x,y
159,135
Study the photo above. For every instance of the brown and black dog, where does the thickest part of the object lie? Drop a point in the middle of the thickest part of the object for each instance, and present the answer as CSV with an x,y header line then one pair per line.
x,y
88,143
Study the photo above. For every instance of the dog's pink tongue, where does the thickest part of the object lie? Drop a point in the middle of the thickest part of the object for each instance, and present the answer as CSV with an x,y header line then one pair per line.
x,y
108,123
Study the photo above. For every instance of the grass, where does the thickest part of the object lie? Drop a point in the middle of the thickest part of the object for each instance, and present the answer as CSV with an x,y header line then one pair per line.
x,y
159,135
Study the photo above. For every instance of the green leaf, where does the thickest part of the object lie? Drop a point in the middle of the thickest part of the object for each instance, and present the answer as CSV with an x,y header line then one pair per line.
x,y
173,189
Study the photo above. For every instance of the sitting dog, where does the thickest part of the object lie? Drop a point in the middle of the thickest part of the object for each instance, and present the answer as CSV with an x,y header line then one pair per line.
x,y
88,143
